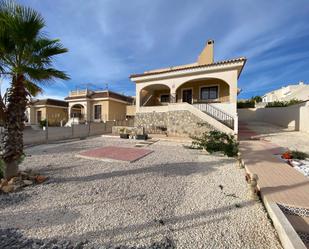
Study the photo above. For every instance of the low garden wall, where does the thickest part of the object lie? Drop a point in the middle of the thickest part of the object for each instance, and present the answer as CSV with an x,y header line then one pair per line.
x,y
294,116
40,136
177,123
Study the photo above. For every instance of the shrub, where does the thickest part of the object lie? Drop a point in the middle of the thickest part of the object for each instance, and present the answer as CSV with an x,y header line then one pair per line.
x,y
283,103
43,123
213,141
299,155
246,104
257,99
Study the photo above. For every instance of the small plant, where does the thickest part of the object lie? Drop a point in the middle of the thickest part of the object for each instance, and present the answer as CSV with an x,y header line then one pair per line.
x,y
283,103
43,123
246,104
299,155
257,99
213,141
295,154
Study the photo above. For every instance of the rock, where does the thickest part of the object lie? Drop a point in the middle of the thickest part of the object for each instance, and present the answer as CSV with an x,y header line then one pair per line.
x,y
18,186
7,188
24,175
27,182
40,179
3,182
14,180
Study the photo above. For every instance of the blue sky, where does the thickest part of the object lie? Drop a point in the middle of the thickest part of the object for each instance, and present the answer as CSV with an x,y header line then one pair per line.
x,y
110,39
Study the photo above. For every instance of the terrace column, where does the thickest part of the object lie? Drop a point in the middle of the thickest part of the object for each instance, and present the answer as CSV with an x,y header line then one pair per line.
x,y
173,97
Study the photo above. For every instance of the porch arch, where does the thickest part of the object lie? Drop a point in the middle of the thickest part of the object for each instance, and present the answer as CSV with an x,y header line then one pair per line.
x,y
154,95
197,85
78,111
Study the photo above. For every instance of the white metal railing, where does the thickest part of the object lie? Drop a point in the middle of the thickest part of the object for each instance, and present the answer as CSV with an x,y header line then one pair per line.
x,y
217,114
147,100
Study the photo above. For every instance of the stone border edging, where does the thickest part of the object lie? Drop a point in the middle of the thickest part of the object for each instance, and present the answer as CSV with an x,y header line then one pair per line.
x,y
288,236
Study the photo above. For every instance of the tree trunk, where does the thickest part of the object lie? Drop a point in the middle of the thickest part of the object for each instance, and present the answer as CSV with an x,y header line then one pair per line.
x,y
12,143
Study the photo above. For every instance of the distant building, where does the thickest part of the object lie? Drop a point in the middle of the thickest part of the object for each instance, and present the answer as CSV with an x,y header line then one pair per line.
x,y
97,106
299,91
53,110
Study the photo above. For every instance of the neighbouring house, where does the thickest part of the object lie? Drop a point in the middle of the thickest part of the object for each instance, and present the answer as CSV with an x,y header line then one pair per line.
x,y
98,106
191,98
53,110
298,91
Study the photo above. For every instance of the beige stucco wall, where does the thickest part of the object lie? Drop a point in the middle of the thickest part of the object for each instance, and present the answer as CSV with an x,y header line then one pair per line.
x,y
196,85
117,110
110,109
130,110
56,115
104,109
295,116
174,81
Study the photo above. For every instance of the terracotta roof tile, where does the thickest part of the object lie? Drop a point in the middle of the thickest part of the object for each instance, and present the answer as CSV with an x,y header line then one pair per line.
x,y
55,102
184,67
103,94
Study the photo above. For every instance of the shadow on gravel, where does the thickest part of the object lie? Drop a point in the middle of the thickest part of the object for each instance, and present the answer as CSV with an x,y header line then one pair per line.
x,y
167,224
43,218
12,238
166,170
13,199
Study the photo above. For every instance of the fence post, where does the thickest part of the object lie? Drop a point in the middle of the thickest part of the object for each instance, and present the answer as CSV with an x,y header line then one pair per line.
x,y
72,127
46,130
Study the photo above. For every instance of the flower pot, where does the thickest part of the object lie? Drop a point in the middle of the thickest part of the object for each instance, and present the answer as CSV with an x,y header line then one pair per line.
x,y
142,137
125,136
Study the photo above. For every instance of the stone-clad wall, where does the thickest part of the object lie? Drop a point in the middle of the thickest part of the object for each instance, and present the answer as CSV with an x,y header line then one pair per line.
x,y
179,123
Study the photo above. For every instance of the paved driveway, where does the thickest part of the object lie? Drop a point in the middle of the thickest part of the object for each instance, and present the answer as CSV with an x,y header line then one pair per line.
x,y
294,140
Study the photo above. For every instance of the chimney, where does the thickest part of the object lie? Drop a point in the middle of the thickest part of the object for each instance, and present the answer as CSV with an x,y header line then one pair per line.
x,y
207,55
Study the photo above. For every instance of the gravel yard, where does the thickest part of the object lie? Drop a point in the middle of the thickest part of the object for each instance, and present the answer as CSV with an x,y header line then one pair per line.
x,y
173,194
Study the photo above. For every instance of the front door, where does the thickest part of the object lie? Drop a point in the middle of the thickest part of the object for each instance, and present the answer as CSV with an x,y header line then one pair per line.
x,y
187,96
39,116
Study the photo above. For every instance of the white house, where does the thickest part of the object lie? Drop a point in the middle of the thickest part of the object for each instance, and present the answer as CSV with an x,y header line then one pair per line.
x,y
298,91
181,98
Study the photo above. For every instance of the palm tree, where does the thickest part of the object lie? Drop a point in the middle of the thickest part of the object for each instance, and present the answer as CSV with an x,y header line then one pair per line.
x,y
26,57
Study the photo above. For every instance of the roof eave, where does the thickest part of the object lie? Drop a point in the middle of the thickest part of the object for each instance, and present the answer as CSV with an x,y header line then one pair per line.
x,y
220,63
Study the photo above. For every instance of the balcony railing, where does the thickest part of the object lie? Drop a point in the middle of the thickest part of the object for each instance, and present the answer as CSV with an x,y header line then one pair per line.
x,y
77,115
217,114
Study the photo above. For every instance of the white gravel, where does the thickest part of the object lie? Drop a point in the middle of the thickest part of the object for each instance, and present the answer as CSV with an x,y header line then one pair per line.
x,y
173,192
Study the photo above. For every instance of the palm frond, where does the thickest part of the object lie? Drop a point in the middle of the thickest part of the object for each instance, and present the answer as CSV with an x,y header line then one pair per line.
x,y
45,74
24,23
32,88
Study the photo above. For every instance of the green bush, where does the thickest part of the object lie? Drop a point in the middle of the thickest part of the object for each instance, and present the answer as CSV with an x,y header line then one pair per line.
x,y
246,104
283,103
43,123
213,141
299,155
257,99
